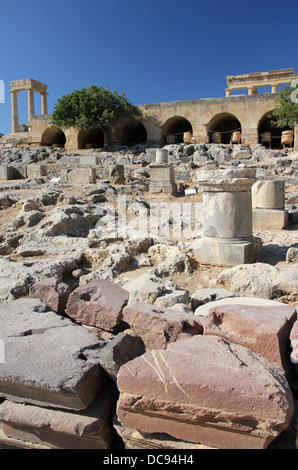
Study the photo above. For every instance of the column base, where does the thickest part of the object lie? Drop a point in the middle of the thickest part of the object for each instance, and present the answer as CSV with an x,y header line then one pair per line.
x,y
269,219
227,252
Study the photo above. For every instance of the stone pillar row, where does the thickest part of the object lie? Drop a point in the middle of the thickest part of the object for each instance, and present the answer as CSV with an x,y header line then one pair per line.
x,y
31,108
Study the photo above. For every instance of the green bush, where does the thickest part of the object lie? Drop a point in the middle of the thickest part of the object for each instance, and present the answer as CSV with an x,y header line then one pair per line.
x,y
93,106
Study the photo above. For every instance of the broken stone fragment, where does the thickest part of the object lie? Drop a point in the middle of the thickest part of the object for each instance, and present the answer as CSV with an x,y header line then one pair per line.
x,y
264,329
52,292
121,349
98,303
226,396
29,425
159,326
49,360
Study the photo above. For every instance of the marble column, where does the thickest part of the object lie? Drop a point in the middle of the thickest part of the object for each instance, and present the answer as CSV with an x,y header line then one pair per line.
x,y
31,110
227,238
14,112
44,103
268,203
252,90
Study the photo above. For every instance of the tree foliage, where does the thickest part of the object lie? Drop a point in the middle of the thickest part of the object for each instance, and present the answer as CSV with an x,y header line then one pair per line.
x,y
286,112
93,106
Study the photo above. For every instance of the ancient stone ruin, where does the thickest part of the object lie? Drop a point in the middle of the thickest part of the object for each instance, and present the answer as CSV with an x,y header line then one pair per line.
x,y
148,294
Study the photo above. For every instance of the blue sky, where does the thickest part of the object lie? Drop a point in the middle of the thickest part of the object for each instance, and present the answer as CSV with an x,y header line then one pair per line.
x,y
155,51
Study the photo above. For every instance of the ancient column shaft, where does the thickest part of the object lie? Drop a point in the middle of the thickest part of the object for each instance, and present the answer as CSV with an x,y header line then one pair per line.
x,y
31,110
44,103
227,218
14,112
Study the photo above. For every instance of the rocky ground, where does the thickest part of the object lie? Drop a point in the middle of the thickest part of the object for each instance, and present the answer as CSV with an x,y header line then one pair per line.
x,y
49,228
77,234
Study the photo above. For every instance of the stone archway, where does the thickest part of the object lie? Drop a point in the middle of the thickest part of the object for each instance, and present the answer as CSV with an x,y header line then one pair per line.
x,y
269,134
172,131
91,138
133,133
53,136
221,128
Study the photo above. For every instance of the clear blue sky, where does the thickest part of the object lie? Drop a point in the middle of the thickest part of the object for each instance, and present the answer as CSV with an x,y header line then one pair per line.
x,y
154,51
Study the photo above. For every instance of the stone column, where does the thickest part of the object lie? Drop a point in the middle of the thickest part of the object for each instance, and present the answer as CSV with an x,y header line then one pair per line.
x,y
31,111
274,88
14,112
252,90
44,103
228,92
162,178
227,218
268,203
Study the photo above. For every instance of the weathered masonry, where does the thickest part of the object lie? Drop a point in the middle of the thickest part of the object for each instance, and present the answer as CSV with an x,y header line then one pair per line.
x,y
235,118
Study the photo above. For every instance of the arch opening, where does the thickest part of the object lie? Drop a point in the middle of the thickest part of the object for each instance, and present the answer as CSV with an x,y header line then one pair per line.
x,y
133,133
53,136
269,135
172,132
91,138
221,128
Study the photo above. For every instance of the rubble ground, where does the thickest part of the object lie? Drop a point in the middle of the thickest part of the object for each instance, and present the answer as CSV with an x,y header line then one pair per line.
x,y
65,233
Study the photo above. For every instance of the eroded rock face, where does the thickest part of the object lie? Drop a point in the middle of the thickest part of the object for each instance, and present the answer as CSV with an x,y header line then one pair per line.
x,y
49,360
99,303
227,396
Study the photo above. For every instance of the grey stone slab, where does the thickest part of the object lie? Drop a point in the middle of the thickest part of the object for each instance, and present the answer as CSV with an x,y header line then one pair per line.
x,y
49,360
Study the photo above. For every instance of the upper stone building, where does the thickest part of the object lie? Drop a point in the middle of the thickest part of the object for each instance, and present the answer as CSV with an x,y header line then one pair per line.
x,y
235,118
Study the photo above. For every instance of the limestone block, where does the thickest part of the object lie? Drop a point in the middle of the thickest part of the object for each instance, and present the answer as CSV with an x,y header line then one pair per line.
x,y
98,303
6,172
36,171
52,292
270,219
268,194
20,172
29,425
82,176
162,178
159,326
263,329
90,160
49,360
206,390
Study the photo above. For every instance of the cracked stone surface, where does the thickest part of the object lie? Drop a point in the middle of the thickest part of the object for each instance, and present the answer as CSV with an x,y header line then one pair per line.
x,y
49,360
